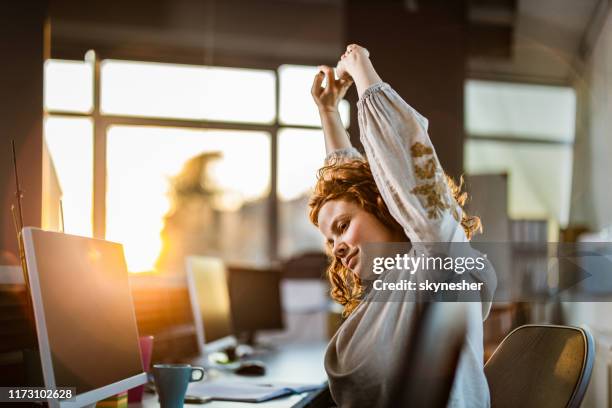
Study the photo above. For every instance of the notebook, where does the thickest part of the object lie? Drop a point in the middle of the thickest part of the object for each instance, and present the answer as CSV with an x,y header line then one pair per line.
x,y
242,391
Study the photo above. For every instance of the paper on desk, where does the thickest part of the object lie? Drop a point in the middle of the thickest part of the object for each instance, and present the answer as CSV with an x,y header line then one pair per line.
x,y
243,391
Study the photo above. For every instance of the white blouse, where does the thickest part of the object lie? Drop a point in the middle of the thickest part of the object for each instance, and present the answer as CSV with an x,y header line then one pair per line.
x,y
362,356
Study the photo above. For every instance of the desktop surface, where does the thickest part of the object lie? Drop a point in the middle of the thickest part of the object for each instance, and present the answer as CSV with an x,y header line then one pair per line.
x,y
296,363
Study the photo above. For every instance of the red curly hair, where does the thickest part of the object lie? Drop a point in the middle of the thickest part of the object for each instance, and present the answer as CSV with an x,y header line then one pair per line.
x,y
353,181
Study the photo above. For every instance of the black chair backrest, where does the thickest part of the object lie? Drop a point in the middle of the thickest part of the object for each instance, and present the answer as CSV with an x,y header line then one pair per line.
x,y
541,366
307,265
432,355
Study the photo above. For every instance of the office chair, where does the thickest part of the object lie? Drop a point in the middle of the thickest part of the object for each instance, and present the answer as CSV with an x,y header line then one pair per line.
x,y
432,355
307,265
541,366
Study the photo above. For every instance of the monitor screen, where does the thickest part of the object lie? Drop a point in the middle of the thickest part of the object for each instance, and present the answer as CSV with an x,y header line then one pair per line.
x,y
85,318
256,300
208,289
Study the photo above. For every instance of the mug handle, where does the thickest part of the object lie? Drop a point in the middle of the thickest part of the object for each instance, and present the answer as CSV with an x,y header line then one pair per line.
x,y
199,374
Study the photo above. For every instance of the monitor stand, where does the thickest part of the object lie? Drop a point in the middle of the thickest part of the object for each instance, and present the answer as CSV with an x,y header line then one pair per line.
x,y
249,341
249,338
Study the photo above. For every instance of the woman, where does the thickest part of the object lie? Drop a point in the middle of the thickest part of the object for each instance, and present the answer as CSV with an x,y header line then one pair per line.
x,y
399,194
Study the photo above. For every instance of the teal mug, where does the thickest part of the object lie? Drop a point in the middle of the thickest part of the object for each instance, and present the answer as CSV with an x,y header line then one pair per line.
x,y
171,381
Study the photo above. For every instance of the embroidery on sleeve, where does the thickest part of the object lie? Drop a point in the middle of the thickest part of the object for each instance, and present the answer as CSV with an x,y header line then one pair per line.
x,y
418,149
434,192
427,171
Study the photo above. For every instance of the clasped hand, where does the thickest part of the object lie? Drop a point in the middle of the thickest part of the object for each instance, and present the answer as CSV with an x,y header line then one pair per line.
x,y
327,98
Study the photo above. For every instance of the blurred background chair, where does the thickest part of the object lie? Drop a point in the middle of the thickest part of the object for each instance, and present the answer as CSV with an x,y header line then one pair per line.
x,y
541,366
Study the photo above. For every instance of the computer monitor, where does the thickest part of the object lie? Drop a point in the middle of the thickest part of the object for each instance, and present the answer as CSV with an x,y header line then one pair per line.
x,y
210,303
256,301
85,321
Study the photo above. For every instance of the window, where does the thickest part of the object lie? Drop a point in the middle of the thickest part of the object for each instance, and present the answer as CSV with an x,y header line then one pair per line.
x,y
526,131
539,175
186,165
68,86
69,144
300,153
520,111
187,92
301,149
296,107
168,189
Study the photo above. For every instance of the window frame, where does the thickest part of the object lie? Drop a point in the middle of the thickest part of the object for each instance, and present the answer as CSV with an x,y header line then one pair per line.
x,y
102,122
509,139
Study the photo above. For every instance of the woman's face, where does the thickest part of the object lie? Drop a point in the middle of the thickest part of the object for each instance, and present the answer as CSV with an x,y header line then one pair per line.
x,y
347,226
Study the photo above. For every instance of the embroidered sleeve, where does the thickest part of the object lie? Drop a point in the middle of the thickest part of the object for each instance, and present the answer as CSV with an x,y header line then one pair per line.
x,y
406,168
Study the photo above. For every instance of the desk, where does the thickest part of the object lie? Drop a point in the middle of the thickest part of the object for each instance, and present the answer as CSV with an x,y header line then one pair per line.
x,y
301,363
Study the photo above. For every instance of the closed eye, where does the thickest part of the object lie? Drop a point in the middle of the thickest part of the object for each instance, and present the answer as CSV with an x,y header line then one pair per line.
x,y
338,227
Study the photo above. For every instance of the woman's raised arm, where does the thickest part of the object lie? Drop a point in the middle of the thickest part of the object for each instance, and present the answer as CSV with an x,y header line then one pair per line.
x,y
327,99
402,158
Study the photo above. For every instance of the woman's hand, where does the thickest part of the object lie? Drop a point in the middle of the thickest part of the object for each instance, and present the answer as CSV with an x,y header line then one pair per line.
x,y
352,60
327,98
355,63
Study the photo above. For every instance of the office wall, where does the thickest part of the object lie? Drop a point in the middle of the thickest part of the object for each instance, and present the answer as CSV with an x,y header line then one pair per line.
x,y
21,84
228,32
422,53
591,194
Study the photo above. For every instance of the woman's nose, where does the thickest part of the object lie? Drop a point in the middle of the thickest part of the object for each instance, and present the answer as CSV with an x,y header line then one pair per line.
x,y
340,249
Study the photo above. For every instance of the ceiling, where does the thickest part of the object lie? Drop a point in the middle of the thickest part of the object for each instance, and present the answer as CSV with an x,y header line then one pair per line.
x,y
550,40
543,41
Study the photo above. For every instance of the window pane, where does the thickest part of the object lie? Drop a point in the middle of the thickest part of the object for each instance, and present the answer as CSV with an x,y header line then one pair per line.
x,y
175,192
540,175
296,104
300,155
187,92
520,110
68,86
70,175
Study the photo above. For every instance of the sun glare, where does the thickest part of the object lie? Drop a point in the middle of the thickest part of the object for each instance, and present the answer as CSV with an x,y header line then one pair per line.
x,y
187,92
141,162
70,144
297,177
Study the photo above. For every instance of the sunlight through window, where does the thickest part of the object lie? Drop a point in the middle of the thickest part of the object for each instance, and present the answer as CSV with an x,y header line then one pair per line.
x,y
187,92
70,144
142,162
174,191
68,86
296,104
300,155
